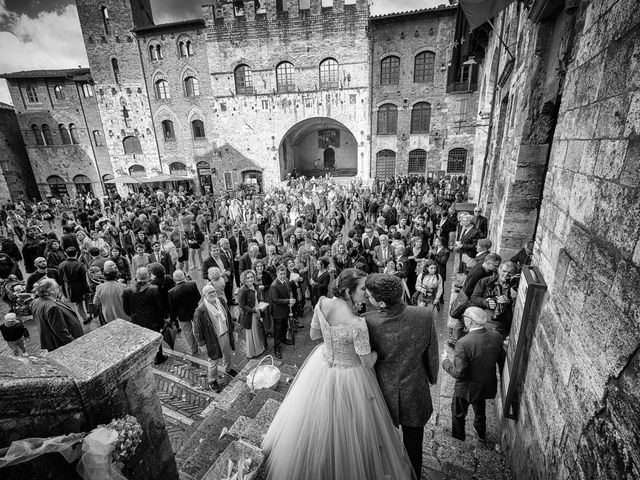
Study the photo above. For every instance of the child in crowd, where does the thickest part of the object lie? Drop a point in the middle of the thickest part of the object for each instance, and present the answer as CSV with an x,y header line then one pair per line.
x,y
14,332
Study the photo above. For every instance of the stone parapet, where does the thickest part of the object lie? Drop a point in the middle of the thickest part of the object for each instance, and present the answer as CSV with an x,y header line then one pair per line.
x,y
103,375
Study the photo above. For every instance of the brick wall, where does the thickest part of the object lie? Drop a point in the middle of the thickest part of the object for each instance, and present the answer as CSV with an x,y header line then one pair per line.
x,y
579,408
256,124
406,36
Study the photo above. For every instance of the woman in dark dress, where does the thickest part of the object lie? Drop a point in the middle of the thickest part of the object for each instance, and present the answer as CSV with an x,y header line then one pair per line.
x,y
320,280
263,281
295,283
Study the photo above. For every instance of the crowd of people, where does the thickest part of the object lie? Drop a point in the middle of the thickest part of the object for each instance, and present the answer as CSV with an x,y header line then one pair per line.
x,y
161,258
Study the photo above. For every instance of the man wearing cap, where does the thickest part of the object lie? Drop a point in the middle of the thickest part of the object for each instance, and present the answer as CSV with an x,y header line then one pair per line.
x,y
41,271
474,368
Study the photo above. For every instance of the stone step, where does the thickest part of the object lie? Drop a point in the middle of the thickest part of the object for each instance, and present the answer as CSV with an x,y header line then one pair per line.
x,y
233,452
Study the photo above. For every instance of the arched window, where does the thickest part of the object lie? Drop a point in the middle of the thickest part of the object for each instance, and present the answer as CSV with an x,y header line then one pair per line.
x,y
131,145
32,94
57,186
417,162
329,73
191,87
116,70
162,89
285,79
46,133
178,168
37,134
64,134
457,161
387,119
97,138
58,92
189,48
105,19
153,53
83,184
182,49
167,131
87,90
137,171
421,117
244,80
423,67
385,164
75,138
390,70
197,127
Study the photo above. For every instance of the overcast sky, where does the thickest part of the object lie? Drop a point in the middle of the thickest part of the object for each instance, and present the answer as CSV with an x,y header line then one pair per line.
x,y
42,34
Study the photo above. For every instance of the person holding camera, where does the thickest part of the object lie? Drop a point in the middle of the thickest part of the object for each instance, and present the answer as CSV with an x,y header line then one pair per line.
x,y
497,293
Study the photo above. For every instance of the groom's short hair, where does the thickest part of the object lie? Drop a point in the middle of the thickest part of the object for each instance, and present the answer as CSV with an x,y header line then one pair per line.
x,y
385,288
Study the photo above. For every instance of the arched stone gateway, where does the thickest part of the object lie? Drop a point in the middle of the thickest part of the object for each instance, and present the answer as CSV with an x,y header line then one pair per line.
x,y
317,146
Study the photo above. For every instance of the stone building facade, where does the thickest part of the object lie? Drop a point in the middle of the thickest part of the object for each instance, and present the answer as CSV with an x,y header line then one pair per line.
x,y
62,130
420,124
16,177
253,92
563,166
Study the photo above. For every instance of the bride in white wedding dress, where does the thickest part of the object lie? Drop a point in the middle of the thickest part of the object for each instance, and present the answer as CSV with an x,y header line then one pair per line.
x,y
334,423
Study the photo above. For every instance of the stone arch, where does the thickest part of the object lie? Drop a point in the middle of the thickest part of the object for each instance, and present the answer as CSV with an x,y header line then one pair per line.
x,y
165,113
195,114
188,71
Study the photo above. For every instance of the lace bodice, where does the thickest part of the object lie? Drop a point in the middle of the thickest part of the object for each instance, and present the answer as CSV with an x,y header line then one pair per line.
x,y
342,343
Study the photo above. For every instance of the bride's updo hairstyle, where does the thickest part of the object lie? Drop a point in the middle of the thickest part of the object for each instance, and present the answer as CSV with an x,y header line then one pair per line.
x,y
346,282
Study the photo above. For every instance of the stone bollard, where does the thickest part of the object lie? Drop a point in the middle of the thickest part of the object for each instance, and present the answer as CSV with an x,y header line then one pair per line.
x,y
100,376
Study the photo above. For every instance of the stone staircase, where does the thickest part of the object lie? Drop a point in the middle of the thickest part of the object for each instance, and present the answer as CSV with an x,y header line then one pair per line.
x,y
205,427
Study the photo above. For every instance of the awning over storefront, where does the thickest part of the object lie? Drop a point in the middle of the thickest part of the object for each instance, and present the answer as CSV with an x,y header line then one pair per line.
x,y
479,11
126,179
164,177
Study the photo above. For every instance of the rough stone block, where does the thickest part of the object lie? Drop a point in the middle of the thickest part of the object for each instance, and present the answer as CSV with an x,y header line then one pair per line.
x,y
612,116
610,159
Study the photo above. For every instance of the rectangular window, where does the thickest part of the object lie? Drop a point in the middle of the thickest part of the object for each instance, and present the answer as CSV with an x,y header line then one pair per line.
x,y
461,110
87,90
32,94
228,181
390,71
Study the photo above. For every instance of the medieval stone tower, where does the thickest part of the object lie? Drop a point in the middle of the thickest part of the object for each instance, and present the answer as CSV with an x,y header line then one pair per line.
x,y
120,89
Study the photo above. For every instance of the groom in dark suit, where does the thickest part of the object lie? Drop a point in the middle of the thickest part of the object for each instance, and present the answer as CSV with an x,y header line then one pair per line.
x,y
407,345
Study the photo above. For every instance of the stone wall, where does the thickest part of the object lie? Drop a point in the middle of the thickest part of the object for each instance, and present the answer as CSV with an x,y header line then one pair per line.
x,y
127,89
256,124
579,411
63,160
16,178
103,375
405,36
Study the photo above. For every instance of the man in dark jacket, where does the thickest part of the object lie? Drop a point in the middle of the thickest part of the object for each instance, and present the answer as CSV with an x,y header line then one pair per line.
x,y
407,345
9,247
474,368
32,248
68,238
73,274
495,293
161,257
183,301
142,303
281,302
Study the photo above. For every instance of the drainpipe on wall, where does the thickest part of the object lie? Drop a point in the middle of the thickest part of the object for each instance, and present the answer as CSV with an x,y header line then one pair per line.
x,y
371,67
93,148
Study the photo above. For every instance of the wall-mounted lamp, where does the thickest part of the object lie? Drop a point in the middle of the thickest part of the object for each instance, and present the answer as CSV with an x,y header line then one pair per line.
x,y
471,61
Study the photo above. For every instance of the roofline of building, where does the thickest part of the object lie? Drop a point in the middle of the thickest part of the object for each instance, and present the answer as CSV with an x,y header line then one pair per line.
x,y
6,106
63,72
196,22
441,8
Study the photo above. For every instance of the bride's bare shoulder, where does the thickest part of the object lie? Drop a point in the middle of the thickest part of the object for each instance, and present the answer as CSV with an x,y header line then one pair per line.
x,y
337,312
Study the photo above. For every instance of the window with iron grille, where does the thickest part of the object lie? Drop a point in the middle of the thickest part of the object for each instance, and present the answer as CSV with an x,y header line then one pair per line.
x,y
244,80
385,164
421,117
285,77
197,127
191,87
167,131
390,71
32,94
423,67
387,119
417,162
329,73
457,162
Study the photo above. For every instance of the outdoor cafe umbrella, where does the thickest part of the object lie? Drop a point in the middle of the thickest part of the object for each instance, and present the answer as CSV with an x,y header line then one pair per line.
x,y
163,177
126,179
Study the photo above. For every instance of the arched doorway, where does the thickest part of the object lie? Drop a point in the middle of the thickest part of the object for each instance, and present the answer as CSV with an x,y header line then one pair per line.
x,y
315,146
57,186
179,169
204,177
83,185
329,159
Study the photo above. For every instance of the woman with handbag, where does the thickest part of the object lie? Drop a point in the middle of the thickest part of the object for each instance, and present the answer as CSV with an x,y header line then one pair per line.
x,y
429,288
248,300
